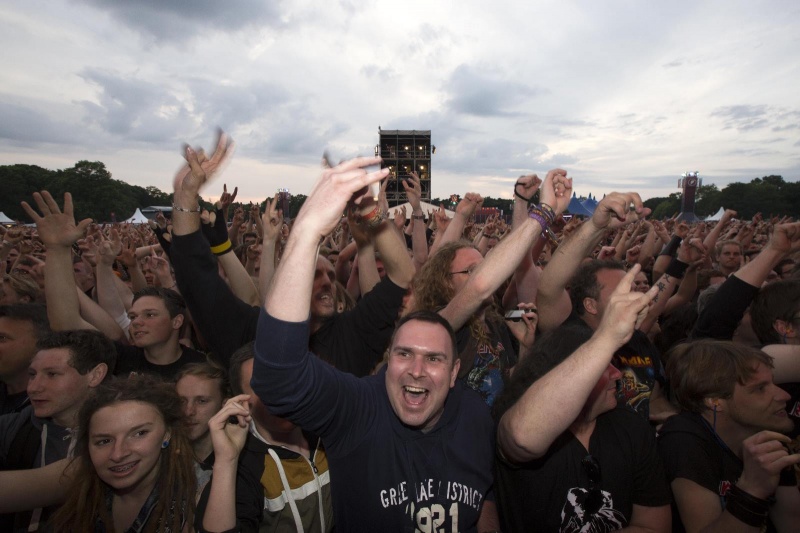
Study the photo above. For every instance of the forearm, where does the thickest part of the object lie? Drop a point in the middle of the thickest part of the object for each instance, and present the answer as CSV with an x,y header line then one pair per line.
x,y
108,295
63,306
666,286
240,281
98,318
138,281
685,292
713,236
756,271
289,294
367,268
648,247
419,242
343,261
454,232
547,408
555,277
390,243
498,265
220,512
267,269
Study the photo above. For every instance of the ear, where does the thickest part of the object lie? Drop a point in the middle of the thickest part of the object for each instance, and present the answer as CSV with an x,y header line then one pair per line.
x,y
177,322
454,372
590,305
98,374
712,403
784,328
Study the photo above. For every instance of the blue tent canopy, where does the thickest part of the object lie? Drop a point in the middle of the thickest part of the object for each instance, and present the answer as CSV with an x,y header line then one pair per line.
x,y
576,208
590,203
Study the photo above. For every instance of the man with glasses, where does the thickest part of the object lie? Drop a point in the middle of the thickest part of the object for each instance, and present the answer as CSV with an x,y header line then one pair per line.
x,y
570,460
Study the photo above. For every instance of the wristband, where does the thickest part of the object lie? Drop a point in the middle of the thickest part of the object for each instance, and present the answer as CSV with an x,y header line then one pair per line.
x,y
374,218
222,249
184,210
417,217
549,211
518,195
747,508
539,217
671,247
676,268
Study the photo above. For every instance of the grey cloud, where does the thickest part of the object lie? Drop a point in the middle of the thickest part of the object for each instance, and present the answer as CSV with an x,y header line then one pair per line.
x,y
178,21
743,117
233,105
23,126
485,93
558,160
135,109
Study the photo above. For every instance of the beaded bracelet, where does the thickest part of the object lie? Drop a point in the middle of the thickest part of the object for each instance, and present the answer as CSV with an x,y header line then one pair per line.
x,y
549,211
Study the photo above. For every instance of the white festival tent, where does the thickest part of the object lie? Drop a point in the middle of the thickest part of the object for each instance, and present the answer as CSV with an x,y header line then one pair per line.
x,y
716,216
5,220
138,218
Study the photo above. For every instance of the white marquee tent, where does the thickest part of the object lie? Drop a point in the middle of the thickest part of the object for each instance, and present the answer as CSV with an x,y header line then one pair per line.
x,y
138,218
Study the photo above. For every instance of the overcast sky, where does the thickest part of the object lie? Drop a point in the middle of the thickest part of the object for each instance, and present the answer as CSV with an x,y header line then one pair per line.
x,y
624,95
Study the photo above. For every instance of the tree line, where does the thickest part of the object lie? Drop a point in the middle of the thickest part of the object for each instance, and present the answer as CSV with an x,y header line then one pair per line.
x,y
97,195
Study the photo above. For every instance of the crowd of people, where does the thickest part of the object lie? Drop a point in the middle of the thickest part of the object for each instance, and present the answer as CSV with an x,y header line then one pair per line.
x,y
346,371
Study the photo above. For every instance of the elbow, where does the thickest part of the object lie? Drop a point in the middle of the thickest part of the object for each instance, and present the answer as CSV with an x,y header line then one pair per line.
x,y
515,441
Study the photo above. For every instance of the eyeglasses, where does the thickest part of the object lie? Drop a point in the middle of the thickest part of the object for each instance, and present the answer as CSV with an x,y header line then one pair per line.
x,y
594,500
468,271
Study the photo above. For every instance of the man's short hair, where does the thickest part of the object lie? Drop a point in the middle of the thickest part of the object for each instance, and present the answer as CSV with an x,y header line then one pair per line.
x,y
172,300
88,348
239,357
208,370
36,314
430,317
584,283
721,244
705,296
710,369
704,277
779,300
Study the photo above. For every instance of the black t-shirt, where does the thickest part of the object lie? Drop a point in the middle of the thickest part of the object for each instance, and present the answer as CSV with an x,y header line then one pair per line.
x,y
690,450
484,367
640,364
548,494
131,360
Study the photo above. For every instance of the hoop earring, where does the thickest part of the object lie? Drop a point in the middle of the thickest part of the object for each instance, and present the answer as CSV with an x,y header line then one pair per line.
x,y
164,444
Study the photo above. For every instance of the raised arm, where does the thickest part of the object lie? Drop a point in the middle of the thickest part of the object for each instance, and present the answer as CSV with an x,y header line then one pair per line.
x,y
548,408
455,229
501,262
289,294
271,222
419,238
59,232
613,211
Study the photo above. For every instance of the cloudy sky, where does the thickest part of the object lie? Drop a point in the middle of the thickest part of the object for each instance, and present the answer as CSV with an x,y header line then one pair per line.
x,y
624,95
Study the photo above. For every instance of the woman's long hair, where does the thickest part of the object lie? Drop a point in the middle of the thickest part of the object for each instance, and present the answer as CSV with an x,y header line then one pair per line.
x,y
176,479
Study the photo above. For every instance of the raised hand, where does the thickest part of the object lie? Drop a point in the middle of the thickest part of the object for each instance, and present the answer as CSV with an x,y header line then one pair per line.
x,y
466,207
618,209
56,228
556,190
228,439
334,190
400,217
413,191
785,238
226,199
526,186
199,169
442,220
272,219
606,253
625,310
764,456
525,330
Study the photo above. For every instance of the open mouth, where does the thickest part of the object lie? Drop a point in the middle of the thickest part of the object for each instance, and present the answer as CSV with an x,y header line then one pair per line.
x,y
414,395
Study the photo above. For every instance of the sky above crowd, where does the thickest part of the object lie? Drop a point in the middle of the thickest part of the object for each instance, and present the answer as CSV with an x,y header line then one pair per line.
x,y
624,95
